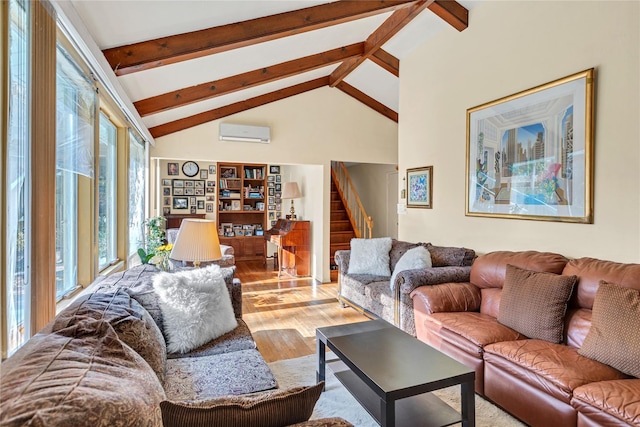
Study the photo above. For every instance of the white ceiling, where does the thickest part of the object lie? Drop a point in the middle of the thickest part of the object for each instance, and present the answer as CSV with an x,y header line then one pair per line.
x,y
121,22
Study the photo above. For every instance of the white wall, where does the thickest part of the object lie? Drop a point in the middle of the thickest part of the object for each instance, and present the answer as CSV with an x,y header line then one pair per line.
x,y
510,47
308,129
371,184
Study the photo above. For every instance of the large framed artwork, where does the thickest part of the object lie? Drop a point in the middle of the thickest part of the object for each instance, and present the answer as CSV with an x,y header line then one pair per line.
x,y
530,155
420,187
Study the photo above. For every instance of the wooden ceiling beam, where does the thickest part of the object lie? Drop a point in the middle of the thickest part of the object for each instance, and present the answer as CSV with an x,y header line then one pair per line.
x,y
387,61
367,100
380,36
181,47
451,12
218,113
238,82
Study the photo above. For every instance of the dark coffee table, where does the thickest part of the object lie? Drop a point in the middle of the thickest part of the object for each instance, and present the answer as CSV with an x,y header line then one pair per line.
x,y
392,374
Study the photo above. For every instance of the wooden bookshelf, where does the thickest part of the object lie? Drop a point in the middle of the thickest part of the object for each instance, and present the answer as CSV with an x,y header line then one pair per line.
x,y
242,212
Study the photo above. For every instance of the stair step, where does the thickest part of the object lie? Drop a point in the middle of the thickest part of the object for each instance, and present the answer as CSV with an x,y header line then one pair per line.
x,y
342,236
335,196
341,225
333,247
337,205
339,216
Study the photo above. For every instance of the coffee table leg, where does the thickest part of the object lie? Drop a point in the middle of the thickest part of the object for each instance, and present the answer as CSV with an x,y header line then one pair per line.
x,y
387,413
321,362
468,405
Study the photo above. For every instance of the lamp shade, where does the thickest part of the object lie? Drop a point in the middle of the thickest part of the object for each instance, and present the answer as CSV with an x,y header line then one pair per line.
x,y
290,190
197,241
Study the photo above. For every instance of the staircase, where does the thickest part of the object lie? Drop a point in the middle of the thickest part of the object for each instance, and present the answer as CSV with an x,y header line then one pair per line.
x,y
341,229
348,217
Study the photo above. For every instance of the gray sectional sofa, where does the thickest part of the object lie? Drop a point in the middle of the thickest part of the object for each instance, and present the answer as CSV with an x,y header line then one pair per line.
x,y
373,295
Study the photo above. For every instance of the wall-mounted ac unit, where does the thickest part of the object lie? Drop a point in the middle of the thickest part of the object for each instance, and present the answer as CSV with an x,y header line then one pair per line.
x,y
245,133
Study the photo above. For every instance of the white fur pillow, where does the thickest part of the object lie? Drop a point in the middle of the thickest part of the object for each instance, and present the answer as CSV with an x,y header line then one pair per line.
x,y
418,257
196,307
370,256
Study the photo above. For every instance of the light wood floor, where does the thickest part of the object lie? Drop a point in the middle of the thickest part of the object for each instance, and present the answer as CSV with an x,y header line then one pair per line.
x,y
283,314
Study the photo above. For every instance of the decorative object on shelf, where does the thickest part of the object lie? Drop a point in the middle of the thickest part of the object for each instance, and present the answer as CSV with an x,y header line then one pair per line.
x,y
228,172
530,155
291,191
420,187
197,241
190,168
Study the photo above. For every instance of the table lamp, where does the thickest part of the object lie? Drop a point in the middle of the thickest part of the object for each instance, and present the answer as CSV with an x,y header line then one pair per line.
x,y
291,191
197,241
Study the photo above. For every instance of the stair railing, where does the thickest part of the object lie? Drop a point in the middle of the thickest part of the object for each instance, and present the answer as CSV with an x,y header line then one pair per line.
x,y
361,222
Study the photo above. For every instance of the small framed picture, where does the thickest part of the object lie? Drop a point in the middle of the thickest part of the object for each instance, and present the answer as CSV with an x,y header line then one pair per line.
x,y
271,184
235,205
193,209
166,211
273,223
166,182
272,215
178,191
188,183
166,191
275,170
278,206
180,203
278,187
278,178
178,183
204,174
199,184
167,201
199,191
271,200
212,169
192,201
272,192
209,207
189,192
173,169
271,178
272,207
200,204
211,183
228,172
420,186
278,215
211,190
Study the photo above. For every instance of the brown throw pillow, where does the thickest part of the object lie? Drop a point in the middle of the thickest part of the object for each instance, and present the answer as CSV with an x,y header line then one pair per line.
x,y
614,337
277,408
534,303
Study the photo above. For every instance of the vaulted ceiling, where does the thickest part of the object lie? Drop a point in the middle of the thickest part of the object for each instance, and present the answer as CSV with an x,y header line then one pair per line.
x,y
185,63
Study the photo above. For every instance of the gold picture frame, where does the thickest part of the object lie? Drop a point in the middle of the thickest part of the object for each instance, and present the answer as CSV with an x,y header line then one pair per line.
x,y
530,155
420,187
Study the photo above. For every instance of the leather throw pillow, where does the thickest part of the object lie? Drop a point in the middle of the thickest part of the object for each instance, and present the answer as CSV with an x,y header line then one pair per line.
x,y
535,303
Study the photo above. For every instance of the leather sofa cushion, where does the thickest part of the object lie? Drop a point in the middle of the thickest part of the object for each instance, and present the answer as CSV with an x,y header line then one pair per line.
x,y
534,304
553,368
614,337
490,303
591,271
617,398
470,331
489,270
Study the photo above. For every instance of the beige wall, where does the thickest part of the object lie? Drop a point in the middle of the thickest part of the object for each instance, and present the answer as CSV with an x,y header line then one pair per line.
x,y
309,129
371,184
510,47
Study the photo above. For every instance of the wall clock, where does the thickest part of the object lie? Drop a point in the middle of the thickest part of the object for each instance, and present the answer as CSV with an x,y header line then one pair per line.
x,y
190,168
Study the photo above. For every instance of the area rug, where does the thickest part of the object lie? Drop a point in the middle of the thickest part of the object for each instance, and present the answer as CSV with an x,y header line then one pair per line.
x,y
336,401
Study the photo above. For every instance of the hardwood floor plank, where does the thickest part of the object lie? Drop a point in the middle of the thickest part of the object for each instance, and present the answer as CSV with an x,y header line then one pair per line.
x,y
283,314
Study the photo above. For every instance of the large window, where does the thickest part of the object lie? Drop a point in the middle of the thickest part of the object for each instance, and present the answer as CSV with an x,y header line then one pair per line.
x,y
137,171
18,212
75,115
107,194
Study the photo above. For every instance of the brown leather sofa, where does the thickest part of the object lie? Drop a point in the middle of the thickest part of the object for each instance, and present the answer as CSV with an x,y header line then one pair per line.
x,y
541,383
